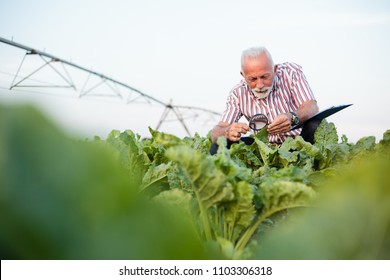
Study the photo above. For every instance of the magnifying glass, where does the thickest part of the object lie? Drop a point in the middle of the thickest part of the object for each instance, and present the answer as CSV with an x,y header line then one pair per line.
x,y
257,122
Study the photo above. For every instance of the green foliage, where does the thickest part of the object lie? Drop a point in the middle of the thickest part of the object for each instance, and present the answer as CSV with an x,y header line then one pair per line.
x,y
166,198
326,134
209,184
350,221
67,199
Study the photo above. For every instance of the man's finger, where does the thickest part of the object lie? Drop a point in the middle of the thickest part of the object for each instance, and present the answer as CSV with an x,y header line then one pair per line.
x,y
242,126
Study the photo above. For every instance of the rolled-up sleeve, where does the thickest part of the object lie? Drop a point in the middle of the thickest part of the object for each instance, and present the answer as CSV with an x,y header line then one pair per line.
x,y
300,87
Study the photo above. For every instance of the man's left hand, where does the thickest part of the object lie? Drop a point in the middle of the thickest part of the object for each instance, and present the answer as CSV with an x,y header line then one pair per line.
x,y
282,123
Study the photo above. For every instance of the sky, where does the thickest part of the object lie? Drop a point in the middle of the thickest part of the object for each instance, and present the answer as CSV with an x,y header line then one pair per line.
x,y
188,53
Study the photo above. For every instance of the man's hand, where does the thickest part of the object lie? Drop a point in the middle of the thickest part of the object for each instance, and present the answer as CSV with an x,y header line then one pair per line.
x,y
233,132
282,123
229,131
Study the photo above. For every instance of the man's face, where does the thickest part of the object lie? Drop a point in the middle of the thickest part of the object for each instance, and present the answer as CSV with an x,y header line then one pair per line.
x,y
259,75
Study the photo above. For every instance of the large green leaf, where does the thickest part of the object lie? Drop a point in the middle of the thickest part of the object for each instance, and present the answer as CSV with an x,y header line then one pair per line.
x,y
326,133
175,197
276,196
297,151
245,155
129,149
238,214
234,170
267,154
177,178
155,179
199,143
67,199
165,139
386,138
209,184
279,195
364,145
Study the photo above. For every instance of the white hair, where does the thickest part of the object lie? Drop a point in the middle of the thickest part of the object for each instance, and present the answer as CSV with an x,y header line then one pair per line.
x,y
255,52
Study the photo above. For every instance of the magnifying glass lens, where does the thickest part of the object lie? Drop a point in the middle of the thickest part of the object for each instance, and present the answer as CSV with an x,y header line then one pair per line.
x,y
260,125
258,121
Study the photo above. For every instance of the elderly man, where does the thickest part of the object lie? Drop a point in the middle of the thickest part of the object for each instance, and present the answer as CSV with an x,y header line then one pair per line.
x,y
281,92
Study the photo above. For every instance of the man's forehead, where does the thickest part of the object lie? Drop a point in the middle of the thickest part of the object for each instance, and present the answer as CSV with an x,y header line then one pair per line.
x,y
258,63
256,70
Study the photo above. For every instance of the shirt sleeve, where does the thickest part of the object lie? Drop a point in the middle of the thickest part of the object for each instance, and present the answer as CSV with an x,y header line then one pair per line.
x,y
232,112
300,88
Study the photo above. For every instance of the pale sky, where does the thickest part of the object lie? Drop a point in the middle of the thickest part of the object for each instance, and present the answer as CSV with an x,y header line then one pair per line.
x,y
189,52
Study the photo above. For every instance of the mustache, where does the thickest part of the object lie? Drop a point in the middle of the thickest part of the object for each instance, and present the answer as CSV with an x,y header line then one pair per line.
x,y
261,90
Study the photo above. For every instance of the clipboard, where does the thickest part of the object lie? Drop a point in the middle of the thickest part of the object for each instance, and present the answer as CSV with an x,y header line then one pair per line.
x,y
323,114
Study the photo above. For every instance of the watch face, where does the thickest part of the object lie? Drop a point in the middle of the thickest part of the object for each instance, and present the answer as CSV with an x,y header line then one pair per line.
x,y
295,119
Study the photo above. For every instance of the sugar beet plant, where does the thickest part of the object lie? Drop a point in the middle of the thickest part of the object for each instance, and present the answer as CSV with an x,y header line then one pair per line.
x,y
231,196
166,197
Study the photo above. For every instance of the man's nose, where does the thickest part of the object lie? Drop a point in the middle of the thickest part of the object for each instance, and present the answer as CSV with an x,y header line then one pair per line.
x,y
259,84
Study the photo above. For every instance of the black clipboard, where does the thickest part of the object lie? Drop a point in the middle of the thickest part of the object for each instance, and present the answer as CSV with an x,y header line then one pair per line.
x,y
323,114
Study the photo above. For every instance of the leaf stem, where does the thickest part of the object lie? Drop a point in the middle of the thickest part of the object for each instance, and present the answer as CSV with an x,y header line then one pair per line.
x,y
243,241
203,215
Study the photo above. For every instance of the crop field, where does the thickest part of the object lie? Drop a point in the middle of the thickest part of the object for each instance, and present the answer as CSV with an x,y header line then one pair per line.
x,y
165,197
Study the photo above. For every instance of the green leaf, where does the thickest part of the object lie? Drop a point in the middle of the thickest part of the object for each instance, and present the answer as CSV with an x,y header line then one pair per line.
x,y
326,140
298,144
384,144
267,154
177,178
245,155
364,145
280,195
326,133
277,196
155,174
239,213
296,151
201,144
209,184
291,173
165,139
175,197
386,138
227,248
262,135
235,171
286,157
129,148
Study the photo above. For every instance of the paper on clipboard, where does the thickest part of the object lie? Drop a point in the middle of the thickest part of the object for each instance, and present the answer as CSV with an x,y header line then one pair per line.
x,y
323,114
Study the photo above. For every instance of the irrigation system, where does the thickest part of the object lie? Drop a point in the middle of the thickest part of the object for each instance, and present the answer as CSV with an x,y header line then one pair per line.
x,y
49,60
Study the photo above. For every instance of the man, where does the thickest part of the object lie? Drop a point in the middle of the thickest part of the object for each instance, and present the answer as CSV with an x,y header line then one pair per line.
x,y
281,92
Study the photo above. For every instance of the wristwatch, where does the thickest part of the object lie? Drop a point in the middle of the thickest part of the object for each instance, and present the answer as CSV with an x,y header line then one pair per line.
x,y
294,119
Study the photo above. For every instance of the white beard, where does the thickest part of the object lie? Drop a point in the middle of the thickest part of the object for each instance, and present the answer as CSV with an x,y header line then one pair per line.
x,y
262,93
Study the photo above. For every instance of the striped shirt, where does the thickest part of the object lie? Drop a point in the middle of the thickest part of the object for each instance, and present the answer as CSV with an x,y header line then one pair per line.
x,y
289,90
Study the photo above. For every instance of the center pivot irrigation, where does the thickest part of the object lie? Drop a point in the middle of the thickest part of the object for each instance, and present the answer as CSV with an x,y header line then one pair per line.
x,y
134,95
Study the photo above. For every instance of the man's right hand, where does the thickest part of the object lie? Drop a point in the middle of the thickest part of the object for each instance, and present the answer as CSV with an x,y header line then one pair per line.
x,y
232,131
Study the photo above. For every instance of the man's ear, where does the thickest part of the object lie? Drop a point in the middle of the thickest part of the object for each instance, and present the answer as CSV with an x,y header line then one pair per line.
x,y
242,74
275,67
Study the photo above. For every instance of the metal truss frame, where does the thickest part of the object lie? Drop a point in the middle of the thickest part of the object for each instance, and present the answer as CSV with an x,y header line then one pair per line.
x,y
134,95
